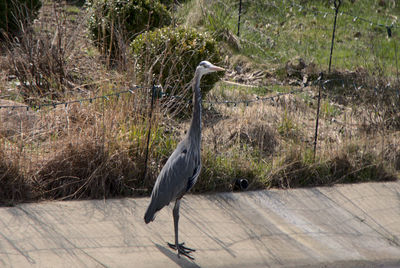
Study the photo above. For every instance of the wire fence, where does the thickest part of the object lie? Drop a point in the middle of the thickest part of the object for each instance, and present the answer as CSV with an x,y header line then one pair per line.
x,y
34,134
313,38
381,52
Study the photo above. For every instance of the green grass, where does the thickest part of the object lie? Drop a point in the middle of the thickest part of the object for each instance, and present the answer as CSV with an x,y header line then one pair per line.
x,y
220,171
329,110
237,92
72,10
275,32
288,128
240,92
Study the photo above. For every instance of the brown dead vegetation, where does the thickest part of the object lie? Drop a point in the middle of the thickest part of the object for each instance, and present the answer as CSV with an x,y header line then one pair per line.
x,y
97,149
87,170
14,187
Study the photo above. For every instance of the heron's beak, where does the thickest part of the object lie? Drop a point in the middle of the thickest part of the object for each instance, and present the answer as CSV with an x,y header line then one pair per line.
x,y
216,68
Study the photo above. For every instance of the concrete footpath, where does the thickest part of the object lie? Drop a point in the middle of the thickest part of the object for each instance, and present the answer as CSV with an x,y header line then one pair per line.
x,y
341,226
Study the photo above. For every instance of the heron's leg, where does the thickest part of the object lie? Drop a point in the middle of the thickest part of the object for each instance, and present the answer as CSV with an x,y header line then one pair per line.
x,y
180,247
175,213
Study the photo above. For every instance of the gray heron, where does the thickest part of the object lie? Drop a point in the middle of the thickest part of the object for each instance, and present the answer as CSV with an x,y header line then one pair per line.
x,y
182,168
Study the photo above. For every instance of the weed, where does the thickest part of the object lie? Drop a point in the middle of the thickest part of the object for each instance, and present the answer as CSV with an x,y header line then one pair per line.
x,y
329,110
219,172
287,128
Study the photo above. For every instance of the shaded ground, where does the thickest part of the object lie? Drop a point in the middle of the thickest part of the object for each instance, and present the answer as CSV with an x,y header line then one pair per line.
x,y
346,226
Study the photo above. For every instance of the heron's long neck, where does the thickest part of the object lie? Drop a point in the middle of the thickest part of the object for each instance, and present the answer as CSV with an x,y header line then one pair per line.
x,y
195,126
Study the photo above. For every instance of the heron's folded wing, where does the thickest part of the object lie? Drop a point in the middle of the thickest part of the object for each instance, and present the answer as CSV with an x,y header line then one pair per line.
x,y
173,179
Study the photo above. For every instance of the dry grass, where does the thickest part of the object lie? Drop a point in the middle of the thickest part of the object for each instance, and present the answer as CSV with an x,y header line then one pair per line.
x,y
245,132
349,165
87,170
344,152
97,149
14,187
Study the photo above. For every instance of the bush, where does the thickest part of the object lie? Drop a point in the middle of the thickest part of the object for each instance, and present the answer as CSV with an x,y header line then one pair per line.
x,y
44,59
117,22
12,12
173,55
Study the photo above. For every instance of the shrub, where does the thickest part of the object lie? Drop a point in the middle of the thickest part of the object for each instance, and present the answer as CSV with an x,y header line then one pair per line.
x,y
115,22
44,59
12,12
172,55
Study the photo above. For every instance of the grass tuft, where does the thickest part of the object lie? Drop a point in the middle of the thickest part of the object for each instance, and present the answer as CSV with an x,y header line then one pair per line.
x,y
86,171
14,186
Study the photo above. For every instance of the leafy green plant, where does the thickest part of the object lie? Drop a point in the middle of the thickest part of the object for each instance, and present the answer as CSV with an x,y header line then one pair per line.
x,y
172,55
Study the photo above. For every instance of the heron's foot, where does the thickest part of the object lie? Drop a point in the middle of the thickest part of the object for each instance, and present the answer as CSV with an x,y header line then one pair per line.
x,y
185,251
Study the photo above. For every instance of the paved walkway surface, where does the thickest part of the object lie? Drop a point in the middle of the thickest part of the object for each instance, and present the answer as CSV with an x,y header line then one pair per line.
x,y
341,226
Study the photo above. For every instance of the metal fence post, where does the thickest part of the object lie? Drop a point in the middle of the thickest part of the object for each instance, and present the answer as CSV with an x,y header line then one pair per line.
x,y
149,132
321,85
337,4
240,13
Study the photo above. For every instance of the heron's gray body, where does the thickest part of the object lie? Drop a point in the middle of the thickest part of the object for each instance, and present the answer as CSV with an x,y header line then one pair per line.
x,y
183,167
176,178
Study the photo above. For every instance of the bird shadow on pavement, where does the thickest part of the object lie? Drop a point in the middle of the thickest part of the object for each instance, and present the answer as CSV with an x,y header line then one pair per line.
x,y
182,261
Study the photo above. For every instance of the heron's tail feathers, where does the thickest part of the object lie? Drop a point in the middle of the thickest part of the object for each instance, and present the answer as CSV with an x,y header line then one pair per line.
x,y
148,217
150,213
155,205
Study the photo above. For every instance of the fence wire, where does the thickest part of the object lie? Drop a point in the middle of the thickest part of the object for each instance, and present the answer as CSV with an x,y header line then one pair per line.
x,y
34,134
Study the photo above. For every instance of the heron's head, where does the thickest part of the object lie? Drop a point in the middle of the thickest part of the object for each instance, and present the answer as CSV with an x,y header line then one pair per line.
x,y
206,67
